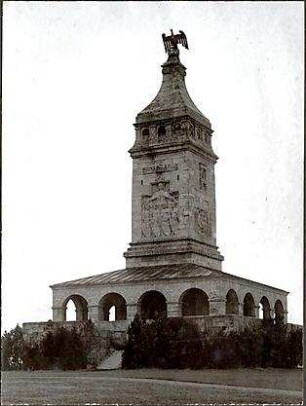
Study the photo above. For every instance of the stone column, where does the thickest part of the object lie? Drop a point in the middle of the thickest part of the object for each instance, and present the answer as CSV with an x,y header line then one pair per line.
x,y
59,313
80,313
240,307
174,309
93,313
256,310
131,310
217,306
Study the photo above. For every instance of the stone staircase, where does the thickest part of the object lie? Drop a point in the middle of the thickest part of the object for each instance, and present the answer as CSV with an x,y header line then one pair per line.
x,y
112,361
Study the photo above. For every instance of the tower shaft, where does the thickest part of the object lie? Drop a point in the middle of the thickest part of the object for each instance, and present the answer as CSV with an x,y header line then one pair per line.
x,y
173,195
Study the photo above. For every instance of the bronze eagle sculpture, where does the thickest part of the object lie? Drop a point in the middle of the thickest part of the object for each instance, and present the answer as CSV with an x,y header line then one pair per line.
x,y
171,41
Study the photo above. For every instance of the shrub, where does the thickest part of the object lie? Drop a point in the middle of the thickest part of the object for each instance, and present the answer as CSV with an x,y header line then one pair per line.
x,y
62,349
33,358
162,343
295,348
12,349
133,353
184,347
59,348
177,343
287,346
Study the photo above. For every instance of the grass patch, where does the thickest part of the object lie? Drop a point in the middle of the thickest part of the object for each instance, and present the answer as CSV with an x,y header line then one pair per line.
x,y
152,386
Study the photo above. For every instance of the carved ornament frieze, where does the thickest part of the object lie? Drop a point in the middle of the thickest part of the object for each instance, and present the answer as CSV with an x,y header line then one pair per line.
x,y
159,168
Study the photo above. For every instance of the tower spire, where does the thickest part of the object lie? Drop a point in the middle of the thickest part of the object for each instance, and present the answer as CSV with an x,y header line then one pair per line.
x,y
173,98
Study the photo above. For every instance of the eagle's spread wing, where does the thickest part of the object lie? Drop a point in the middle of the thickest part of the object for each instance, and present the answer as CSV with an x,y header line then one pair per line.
x,y
183,39
167,42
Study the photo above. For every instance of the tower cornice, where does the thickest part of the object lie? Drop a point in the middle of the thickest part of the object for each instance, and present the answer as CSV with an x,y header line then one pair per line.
x,y
166,148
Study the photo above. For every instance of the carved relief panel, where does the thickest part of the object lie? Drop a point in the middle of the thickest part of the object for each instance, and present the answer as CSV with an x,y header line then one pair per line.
x,y
159,212
201,199
202,217
202,176
177,131
199,133
188,129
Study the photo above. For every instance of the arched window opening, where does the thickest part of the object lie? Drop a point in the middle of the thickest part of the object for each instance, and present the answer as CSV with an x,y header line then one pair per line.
x,y
194,303
232,303
264,309
145,135
75,308
279,312
249,305
112,314
260,311
152,304
112,307
70,311
161,133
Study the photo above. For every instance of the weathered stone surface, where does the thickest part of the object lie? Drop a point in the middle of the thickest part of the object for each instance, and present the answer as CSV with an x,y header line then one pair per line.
x,y
173,203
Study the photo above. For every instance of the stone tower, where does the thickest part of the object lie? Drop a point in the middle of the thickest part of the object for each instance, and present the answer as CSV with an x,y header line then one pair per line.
x,y
173,195
173,266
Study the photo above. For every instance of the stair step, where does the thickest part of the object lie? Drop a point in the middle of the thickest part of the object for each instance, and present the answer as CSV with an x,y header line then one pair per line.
x,y
112,361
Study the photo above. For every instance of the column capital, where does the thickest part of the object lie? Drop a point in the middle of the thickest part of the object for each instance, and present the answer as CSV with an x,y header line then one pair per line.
x,y
217,300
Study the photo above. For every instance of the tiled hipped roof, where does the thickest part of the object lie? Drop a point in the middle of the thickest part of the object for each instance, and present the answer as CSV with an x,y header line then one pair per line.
x,y
156,273
142,274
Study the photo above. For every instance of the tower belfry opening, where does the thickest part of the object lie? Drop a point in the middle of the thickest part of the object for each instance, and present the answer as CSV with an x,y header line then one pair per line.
x,y
173,265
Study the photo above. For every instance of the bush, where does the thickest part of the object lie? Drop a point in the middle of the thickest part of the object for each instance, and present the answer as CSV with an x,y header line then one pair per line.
x,y
233,349
159,343
294,348
287,346
56,348
12,349
33,358
176,343
162,343
63,349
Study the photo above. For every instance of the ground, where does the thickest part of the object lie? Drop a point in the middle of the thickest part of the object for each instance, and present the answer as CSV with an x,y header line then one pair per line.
x,y
145,387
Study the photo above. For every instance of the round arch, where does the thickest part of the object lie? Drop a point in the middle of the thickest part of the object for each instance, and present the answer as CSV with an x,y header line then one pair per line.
x,y
152,304
266,308
81,307
279,311
232,302
194,302
112,301
248,305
